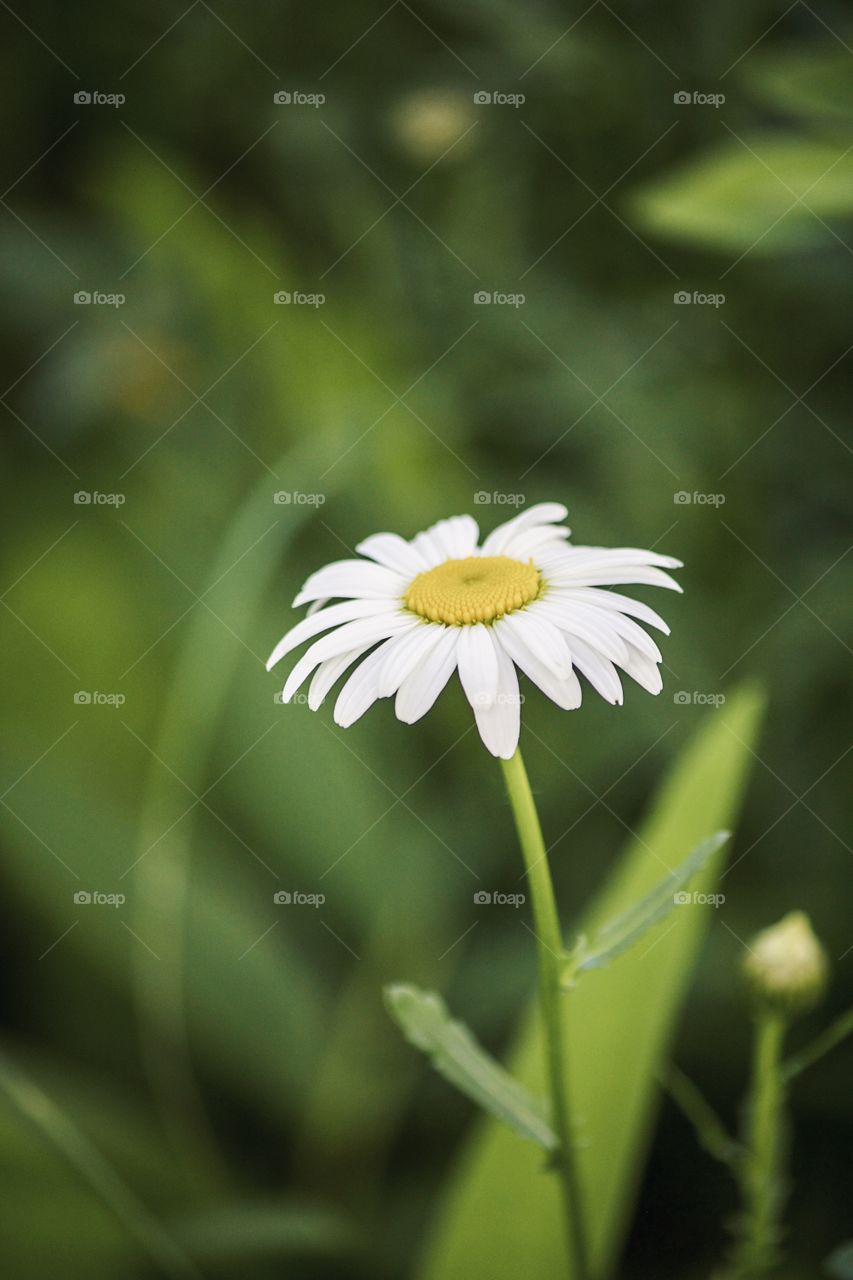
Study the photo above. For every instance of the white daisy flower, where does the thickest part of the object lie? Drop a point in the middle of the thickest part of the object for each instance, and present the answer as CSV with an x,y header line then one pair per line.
x,y
525,599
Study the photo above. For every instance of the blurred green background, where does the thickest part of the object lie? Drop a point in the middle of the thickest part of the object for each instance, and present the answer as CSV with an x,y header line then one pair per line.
x,y
220,1049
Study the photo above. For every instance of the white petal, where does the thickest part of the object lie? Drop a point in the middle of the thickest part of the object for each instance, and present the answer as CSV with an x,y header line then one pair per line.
x,y
419,690
544,513
334,616
609,621
634,636
352,579
630,575
642,669
539,635
612,600
594,626
330,671
478,665
600,673
499,723
394,552
601,566
404,653
362,631
452,539
565,692
593,556
361,690
530,543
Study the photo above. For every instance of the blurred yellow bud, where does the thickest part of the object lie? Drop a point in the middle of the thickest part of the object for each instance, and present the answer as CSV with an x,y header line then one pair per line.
x,y
787,967
428,122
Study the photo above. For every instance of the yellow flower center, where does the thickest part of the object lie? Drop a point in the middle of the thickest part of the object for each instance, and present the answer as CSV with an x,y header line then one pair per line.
x,y
476,589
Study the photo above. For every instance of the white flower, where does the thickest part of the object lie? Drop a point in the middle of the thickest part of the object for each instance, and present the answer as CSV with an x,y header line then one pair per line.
x,y
422,609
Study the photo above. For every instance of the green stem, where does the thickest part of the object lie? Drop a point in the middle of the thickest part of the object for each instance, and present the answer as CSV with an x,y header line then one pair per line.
x,y
550,952
762,1172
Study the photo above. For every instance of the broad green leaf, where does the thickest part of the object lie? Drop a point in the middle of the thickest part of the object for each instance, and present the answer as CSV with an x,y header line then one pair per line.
x,y
455,1054
765,196
618,935
501,1216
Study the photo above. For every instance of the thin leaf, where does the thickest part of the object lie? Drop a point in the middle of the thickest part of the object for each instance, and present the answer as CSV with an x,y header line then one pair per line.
x,y
425,1022
710,1131
834,1034
619,934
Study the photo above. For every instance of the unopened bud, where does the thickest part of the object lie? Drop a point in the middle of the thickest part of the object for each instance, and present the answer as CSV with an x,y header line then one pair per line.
x,y
787,967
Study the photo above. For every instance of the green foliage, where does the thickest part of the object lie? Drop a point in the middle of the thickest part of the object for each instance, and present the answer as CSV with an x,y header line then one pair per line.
x,y
257,1033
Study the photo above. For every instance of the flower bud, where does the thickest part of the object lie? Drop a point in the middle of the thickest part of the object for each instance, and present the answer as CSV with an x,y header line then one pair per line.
x,y
429,123
787,967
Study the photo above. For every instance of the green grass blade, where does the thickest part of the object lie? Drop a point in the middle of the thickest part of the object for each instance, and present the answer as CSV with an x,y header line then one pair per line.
x,y
56,1126
501,1216
423,1018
